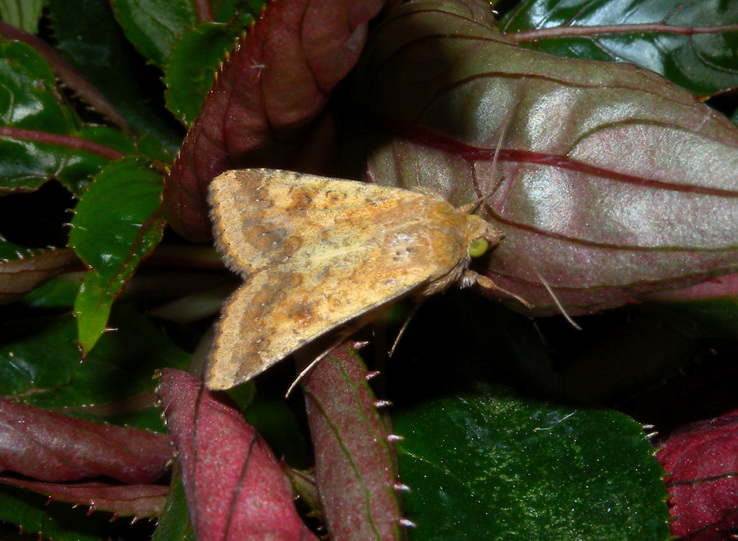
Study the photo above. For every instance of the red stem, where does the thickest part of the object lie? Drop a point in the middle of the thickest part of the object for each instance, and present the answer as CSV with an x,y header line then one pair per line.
x,y
570,31
62,140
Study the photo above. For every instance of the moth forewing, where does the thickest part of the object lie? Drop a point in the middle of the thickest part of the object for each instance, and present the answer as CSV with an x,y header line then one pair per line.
x,y
318,253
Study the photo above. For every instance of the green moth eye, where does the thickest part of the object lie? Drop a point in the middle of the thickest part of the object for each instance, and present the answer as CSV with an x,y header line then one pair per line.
x,y
478,247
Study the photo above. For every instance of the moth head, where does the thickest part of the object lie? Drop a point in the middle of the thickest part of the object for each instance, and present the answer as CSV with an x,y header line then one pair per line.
x,y
481,236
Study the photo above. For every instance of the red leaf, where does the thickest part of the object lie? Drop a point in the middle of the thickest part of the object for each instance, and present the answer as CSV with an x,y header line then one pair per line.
x,y
354,461
235,487
53,447
140,501
274,84
701,460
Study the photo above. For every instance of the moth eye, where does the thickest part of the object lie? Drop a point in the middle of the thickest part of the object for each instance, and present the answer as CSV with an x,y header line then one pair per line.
x,y
478,247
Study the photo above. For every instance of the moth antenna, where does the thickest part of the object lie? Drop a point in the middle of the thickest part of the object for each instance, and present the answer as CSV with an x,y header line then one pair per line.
x,y
558,304
473,207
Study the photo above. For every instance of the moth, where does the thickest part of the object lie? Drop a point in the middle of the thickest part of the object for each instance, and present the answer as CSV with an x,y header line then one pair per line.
x,y
317,253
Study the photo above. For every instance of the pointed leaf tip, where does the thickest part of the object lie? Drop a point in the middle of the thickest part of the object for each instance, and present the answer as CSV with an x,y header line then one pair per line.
x,y
234,485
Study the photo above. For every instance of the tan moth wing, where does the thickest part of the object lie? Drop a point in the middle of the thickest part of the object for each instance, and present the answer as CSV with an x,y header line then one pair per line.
x,y
318,253
267,217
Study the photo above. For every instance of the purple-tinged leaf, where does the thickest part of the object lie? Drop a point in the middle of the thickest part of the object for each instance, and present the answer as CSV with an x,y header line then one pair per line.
x,y
355,464
23,270
610,181
138,501
52,447
235,487
266,96
701,461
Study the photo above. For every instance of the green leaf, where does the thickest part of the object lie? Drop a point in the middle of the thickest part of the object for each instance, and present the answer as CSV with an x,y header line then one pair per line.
x,y
174,523
54,296
191,68
681,48
23,14
41,132
241,11
39,362
708,318
153,26
89,36
497,466
117,223
156,26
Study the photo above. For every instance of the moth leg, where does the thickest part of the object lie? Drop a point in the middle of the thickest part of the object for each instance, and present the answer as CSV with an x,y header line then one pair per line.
x,y
488,283
416,306
307,358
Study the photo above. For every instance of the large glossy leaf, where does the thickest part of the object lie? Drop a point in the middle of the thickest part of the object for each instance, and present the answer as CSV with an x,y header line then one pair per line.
x,y
496,466
265,99
354,460
610,181
122,202
692,43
